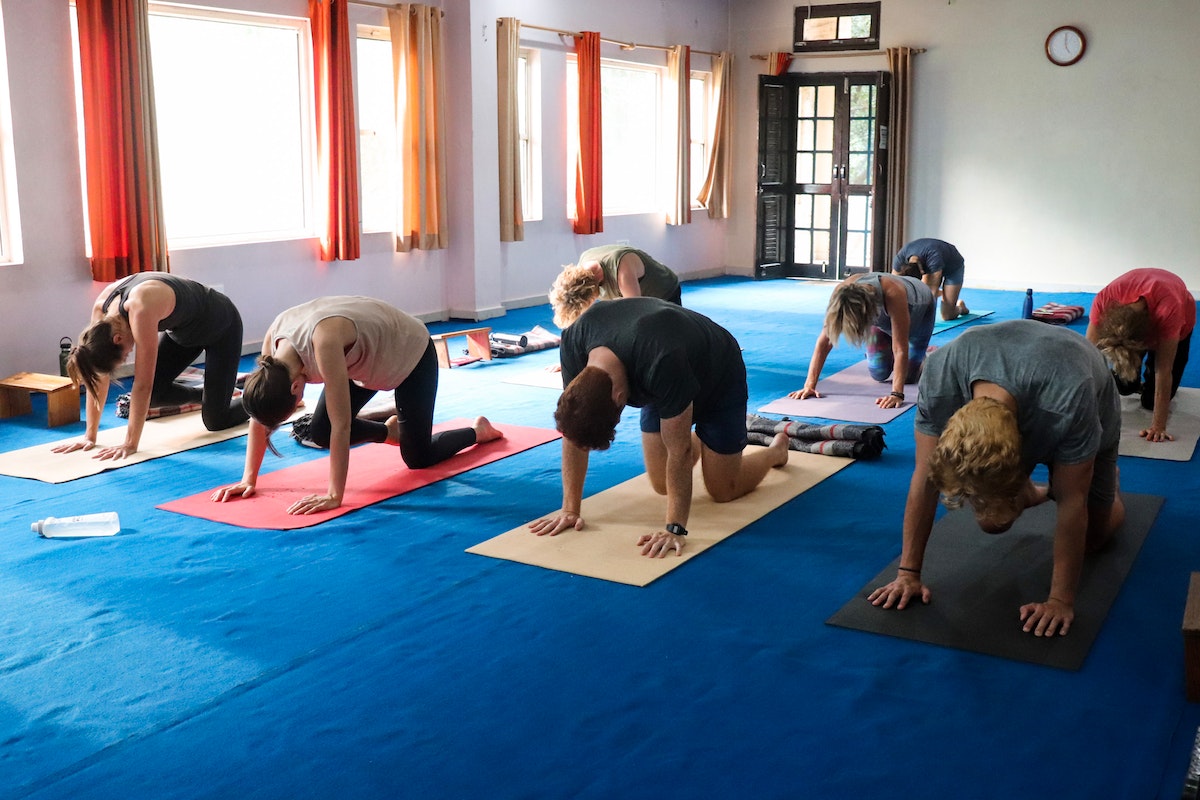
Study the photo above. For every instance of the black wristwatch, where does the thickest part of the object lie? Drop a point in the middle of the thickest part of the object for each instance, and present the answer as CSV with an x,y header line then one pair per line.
x,y
676,529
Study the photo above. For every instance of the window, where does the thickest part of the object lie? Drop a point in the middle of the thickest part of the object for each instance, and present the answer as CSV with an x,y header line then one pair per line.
x,y
701,124
846,26
630,97
529,113
10,220
232,100
376,107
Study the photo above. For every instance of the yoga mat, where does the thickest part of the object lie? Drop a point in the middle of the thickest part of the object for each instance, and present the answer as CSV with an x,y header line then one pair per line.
x,y
945,325
614,520
980,581
538,377
376,473
848,395
160,437
1184,425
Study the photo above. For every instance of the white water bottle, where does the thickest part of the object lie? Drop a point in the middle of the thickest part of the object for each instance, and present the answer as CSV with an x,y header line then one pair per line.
x,y
103,524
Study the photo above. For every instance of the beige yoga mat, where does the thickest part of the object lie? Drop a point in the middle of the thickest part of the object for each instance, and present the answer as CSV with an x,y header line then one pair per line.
x,y
614,520
538,377
1184,425
160,437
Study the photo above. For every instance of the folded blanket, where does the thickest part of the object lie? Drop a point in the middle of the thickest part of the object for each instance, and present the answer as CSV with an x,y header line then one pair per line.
x,y
189,384
507,345
1058,314
840,439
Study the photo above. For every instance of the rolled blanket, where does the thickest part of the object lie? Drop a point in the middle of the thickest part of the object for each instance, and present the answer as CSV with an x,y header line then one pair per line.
x,y
154,412
1058,314
805,431
507,345
829,447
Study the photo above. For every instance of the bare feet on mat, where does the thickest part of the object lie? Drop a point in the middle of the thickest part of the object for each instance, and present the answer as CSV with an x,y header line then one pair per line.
x,y
962,309
780,445
393,428
485,431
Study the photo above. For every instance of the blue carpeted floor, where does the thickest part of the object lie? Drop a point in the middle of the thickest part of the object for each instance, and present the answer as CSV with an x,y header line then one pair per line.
x,y
371,657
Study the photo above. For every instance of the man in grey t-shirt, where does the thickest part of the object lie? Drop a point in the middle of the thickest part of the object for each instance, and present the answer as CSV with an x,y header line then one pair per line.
x,y
995,402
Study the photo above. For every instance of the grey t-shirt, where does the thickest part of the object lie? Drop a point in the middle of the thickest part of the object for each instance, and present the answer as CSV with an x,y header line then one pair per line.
x,y
920,305
1067,404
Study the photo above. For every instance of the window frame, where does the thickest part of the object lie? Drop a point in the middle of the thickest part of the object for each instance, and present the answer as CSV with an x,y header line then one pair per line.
x,y
11,246
704,137
374,33
836,11
530,136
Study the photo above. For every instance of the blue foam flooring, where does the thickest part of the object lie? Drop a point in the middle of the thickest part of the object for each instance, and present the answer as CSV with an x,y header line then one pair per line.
x,y
371,657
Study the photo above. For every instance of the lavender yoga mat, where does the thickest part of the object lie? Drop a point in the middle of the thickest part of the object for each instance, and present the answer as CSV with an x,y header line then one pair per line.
x,y
848,395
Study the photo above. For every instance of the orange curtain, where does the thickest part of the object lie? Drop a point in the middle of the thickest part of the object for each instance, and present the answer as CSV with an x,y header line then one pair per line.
x,y
778,63
589,191
420,81
337,133
124,195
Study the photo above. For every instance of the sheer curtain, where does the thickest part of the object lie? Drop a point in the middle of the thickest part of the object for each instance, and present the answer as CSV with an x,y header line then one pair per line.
x,y
417,63
589,190
337,135
679,76
900,64
508,49
714,194
124,195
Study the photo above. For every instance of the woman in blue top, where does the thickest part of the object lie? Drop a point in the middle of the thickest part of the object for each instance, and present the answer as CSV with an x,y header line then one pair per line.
x,y
939,266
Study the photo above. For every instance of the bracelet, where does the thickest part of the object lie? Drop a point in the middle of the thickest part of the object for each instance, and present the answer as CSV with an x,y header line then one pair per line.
x,y
897,395
909,569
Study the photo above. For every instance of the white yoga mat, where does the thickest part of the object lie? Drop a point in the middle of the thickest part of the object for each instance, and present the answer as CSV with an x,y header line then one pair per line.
x,y
541,378
1183,424
849,396
614,520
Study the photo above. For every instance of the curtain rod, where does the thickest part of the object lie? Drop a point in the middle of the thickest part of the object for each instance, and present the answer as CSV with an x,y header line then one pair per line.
x,y
836,54
618,42
382,5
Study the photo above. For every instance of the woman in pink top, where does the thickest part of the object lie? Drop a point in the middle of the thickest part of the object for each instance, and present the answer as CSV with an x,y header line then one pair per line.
x,y
1146,315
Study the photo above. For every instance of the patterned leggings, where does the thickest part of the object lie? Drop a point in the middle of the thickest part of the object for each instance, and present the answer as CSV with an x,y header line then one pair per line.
x,y
881,362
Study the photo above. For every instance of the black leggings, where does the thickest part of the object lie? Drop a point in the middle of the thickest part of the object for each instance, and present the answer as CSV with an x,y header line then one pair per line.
x,y
1181,360
419,446
219,408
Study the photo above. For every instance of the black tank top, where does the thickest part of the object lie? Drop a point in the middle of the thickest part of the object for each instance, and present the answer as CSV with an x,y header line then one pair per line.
x,y
200,313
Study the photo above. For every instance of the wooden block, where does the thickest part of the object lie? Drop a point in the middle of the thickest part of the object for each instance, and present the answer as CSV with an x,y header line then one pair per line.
x,y
479,346
62,397
1191,640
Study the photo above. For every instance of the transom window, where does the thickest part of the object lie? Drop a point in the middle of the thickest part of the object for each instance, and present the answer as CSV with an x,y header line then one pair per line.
x,y
844,26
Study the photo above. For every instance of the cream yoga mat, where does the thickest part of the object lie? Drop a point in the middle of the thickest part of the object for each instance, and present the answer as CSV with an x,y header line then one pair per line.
x,y
160,437
614,520
541,378
1184,425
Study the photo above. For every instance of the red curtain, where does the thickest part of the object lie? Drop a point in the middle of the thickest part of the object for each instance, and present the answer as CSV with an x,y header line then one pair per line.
x,y
778,63
124,197
337,133
589,194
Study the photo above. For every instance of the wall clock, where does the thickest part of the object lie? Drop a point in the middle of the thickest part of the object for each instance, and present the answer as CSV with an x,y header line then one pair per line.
x,y
1065,45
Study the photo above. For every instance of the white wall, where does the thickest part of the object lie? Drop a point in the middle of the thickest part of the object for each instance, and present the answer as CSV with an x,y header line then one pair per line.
x,y
1044,176
48,295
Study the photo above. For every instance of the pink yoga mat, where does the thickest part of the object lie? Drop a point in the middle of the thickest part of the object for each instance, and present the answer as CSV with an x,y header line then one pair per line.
x,y
376,473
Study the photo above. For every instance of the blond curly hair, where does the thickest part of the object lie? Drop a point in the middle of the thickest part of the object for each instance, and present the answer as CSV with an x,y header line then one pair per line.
x,y
853,309
1121,335
978,459
572,293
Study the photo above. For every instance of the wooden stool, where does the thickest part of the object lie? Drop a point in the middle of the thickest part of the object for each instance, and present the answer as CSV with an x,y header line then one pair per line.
x,y
62,396
479,347
1191,640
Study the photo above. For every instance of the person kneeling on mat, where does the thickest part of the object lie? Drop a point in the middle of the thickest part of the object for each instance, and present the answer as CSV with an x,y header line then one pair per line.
x,y
681,369
995,402
939,266
355,346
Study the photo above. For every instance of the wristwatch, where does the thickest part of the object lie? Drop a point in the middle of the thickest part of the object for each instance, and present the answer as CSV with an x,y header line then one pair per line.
x,y
676,529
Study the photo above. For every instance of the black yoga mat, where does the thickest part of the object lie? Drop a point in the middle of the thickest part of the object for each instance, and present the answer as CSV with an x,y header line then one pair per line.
x,y
980,581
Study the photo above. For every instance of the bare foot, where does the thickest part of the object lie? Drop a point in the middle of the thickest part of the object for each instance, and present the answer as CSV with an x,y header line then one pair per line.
x,y
393,428
962,309
780,445
485,431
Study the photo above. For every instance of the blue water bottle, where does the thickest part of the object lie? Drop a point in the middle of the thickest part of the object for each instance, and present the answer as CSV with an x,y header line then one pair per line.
x,y
1027,309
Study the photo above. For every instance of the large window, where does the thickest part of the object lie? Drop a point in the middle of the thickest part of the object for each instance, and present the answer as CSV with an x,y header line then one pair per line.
x,y
529,113
232,101
630,97
700,126
376,106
